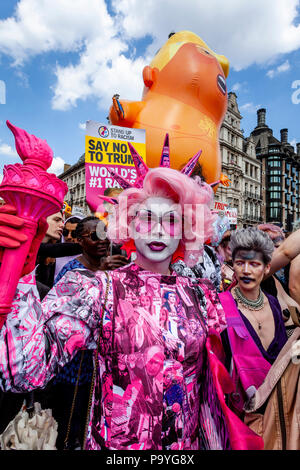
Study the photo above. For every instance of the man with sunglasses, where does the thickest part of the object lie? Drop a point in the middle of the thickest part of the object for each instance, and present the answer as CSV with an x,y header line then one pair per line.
x,y
69,230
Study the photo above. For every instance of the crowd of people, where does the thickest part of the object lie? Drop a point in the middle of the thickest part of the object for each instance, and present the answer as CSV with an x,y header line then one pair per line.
x,y
167,345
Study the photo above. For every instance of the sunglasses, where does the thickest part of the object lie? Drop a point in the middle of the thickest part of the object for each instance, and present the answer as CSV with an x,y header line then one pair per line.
x,y
66,232
146,221
92,236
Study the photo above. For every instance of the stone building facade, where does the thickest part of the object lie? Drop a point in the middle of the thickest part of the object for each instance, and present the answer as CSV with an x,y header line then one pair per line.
x,y
74,177
240,164
280,174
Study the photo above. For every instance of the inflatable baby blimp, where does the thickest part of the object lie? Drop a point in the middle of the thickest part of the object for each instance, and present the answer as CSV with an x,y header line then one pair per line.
x,y
185,95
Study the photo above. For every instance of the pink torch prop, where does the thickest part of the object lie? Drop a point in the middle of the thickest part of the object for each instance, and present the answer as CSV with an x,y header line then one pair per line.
x,y
35,194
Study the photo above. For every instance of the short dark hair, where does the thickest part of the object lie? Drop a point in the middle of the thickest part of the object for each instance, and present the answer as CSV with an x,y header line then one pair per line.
x,y
81,225
73,220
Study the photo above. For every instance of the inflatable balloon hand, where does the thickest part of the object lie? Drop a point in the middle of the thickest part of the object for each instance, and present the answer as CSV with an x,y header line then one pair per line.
x,y
224,180
118,107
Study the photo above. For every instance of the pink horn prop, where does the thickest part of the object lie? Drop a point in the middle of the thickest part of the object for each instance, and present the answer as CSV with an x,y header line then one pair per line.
x,y
165,154
35,194
122,182
188,169
139,163
111,200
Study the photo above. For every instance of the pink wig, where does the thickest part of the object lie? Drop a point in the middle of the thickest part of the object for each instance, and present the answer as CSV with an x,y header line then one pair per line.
x,y
193,196
272,230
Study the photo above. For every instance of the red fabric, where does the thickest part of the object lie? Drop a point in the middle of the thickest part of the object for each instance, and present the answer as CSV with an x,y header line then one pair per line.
x,y
129,247
241,437
178,254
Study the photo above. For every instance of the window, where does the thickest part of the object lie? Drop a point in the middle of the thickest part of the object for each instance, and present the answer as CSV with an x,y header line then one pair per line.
x,y
274,179
274,163
275,213
275,195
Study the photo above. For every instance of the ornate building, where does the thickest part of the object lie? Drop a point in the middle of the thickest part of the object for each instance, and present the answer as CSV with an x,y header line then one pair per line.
x,y
240,164
280,173
74,177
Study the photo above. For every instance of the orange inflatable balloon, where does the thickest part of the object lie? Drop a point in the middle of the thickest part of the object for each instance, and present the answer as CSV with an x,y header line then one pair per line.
x,y
185,96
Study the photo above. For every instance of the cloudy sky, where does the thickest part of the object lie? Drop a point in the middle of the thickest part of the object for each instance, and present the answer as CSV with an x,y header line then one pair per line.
x,y
62,60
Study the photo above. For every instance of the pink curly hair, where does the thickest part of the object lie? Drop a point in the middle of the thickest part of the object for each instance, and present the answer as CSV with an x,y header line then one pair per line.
x,y
272,230
193,196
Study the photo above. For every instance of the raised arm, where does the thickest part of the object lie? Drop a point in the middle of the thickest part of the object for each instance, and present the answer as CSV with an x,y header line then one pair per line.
x,y
286,252
294,279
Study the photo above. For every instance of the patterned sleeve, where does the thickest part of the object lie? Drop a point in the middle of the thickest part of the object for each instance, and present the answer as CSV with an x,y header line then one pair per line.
x,y
40,338
215,314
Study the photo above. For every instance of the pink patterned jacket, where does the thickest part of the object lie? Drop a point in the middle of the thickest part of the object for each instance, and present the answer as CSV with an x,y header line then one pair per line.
x,y
153,387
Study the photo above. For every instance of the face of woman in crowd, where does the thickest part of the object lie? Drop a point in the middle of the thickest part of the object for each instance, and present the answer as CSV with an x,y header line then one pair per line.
x,y
157,228
91,244
224,246
250,269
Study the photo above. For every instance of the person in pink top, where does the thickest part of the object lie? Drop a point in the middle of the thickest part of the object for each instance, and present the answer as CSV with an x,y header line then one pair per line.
x,y
132,403
255,331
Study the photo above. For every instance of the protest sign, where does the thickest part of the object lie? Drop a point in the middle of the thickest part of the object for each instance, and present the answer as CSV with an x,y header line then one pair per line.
x,y
223,209
106,147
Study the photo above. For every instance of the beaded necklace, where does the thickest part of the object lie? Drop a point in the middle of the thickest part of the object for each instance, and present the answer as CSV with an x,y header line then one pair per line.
x,y
252,305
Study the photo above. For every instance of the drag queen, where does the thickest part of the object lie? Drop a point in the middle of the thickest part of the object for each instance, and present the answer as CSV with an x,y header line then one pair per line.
x,y
154,386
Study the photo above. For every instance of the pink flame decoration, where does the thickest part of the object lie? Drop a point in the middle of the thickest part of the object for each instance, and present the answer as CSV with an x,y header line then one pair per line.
x,y
35,194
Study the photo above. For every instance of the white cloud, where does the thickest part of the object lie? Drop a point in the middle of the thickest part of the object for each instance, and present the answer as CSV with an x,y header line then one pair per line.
x,y
82,126
39,26
57,166
105,59
280,69
7,150
239,87
250,108
246,32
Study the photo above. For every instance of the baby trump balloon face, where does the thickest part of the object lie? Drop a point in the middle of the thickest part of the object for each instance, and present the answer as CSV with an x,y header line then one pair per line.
x,y
157,228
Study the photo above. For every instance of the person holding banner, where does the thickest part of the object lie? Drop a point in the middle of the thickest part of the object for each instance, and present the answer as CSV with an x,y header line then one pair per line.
x,y
165,219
